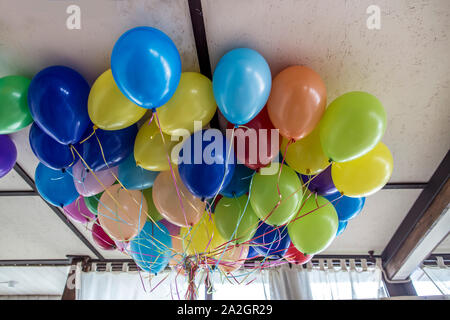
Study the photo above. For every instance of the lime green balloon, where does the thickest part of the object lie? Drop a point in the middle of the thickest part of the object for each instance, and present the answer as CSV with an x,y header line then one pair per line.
x,y
352,125
92,202
14,112
264,196
229,212
151,209
314,232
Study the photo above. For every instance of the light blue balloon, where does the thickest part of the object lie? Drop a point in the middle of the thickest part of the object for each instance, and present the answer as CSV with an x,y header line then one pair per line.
x,y
241,85
146,66
341,227
240,182
150,249
134,177
55,186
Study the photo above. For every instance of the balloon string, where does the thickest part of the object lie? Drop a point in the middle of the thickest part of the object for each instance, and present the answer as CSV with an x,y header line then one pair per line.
x,y
171,169
93,132
101,149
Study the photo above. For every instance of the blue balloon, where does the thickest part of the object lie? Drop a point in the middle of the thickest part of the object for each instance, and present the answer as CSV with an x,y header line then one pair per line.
x,y
55,186
204,164
146,66
116,145
241,85
49,151
341,227
150,249
274,243
252,252
57,98
240,182
346,207
134,177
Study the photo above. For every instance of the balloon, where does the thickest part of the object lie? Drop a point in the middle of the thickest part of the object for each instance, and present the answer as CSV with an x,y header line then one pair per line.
x,y
49,151
112,146
346,207
151,248
352,126
57,98
297,101
14,112
264,196
108,108
241,84
203,237
240,182
252,253
176,253
208,175
122,246
87,182
365,175
341,227
101,238
292,255
122,212
305,155
233,222
210,205
92,202
8,155
151,209
146,66
269,241
78,211
166,200
134,177
173,229
193,101
150,151
55,186
314,232
233,259
322,184
257,150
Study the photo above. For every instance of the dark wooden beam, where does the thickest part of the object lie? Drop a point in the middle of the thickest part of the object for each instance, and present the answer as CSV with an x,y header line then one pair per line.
x,y
425,225
14,193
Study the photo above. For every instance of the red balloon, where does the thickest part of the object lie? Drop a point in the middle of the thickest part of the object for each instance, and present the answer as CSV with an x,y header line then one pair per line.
x,y
101,238
294,256
263,139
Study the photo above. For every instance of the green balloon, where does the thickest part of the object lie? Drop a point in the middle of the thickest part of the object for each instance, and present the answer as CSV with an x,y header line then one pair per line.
x,y
151,209
351,126
264,196
228,214
14,112
92,202
313,233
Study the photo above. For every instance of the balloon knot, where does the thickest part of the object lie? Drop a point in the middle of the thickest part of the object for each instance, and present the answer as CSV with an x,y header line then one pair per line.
x,y
94,127
153,110
63,170
330,160
203,199
236,126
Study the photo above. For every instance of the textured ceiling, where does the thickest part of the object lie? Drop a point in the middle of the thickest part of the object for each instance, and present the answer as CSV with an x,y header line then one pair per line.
x,y
405,64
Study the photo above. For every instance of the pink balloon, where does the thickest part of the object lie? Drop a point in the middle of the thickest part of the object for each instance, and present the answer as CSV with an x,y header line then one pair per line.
x,y
122,246
78,211
86,183
173,229
101,238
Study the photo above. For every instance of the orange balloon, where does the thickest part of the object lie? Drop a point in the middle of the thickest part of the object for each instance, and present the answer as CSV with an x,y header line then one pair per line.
x,y
123,215
233,259
167,202
297,101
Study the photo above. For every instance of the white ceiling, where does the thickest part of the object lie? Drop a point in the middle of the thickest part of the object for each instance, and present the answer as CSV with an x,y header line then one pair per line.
x,y
405,64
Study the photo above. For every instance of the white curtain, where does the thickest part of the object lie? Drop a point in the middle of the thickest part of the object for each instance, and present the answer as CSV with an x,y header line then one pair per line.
x,y
326,281
439,275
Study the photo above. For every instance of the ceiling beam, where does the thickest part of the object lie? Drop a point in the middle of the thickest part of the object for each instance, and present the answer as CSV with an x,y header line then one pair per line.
x,y
59,213
14,193
424,227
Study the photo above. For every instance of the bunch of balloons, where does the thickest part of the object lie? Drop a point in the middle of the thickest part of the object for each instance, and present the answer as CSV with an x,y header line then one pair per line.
x,y
110,155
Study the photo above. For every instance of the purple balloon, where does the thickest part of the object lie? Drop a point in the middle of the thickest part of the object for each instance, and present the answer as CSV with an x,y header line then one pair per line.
x,y
173,229
8,155
87,184
122,246
322,184
101,238
78,211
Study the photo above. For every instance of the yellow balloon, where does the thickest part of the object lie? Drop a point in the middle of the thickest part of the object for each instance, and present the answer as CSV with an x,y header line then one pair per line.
x,y
365,175
108,108
306,155
150,152
192,101
203,237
